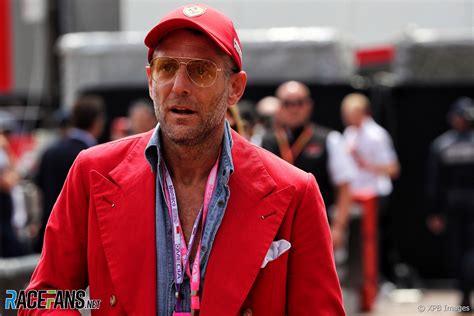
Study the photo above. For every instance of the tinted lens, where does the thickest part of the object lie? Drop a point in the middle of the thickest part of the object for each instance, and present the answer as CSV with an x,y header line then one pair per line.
x,y
163,69
298,102
202,72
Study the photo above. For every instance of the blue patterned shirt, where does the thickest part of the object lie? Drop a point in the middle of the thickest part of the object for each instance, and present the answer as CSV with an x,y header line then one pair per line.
x,y
166,300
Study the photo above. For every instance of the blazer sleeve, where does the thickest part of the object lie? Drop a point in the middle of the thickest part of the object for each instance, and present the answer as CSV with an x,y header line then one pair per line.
x,y
63,262
313,286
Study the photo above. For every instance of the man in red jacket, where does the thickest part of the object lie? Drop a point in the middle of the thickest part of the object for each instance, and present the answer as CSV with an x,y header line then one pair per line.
x,y
191,218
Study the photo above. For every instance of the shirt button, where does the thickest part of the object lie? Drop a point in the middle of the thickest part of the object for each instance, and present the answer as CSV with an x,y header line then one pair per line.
x,y
247,312
220,203
113,300
203,249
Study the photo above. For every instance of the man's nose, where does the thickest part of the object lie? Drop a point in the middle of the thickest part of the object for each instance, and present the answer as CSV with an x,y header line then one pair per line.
x,y
182,83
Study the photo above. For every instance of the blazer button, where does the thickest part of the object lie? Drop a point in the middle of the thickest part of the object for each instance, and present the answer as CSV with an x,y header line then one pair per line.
x,y
113,300
247,312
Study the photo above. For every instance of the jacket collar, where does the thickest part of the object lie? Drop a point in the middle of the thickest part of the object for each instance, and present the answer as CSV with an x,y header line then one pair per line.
x,y
124,201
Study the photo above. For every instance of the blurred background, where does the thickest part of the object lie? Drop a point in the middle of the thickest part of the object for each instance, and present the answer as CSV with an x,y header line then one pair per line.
x,y
412,59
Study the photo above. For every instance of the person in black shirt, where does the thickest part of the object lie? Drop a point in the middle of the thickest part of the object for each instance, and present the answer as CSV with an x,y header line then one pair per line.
x,y
450,191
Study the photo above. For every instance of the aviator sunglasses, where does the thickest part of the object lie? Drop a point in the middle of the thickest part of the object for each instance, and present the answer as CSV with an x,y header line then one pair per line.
x,y
201,72
297,102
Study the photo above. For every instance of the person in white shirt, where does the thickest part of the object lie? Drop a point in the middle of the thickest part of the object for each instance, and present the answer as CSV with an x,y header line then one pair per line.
x,y
371,146
377,164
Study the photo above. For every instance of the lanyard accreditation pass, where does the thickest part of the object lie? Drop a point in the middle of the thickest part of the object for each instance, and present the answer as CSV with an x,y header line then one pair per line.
x,y
290,153
181,252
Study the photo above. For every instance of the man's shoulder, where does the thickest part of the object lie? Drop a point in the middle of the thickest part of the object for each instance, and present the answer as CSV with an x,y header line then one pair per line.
x,y
108,155
62,143
270,142
269,135
444,140
65,147
376,132
321,131
324,135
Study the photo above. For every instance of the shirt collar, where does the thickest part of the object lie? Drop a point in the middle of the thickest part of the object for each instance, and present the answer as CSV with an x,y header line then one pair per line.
x,y
83,136
226,165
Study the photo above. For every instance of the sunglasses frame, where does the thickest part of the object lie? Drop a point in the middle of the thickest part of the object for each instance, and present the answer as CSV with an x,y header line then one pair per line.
x,y
299,103
177,59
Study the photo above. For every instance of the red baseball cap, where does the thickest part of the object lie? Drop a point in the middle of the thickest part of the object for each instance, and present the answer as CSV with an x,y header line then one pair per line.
x,y
203,18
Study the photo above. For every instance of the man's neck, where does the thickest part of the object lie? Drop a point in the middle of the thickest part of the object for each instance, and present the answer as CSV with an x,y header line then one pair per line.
x,y
190,165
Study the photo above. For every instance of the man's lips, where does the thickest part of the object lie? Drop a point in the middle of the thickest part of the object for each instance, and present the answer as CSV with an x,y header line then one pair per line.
x,y
181,110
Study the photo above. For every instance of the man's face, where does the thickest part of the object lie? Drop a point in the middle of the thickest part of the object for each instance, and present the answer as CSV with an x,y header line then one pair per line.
x,y
187,113
352,116
296,107
141,120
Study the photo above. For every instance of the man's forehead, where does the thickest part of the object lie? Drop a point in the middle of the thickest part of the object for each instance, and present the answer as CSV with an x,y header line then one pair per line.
x,y
293,89
297,93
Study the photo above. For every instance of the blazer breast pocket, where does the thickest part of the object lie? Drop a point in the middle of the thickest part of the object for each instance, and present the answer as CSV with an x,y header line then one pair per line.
x,y
268,294
276,250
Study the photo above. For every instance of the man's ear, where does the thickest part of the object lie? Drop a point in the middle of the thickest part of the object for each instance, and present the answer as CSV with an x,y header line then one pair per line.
x,y
237,84
148,74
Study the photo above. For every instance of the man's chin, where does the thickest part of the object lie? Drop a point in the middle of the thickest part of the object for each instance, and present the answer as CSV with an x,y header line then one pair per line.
x,y
184,137
190,135
184,141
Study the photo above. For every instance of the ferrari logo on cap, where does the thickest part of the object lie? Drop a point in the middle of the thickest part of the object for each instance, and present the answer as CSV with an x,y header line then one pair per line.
x,y
193,11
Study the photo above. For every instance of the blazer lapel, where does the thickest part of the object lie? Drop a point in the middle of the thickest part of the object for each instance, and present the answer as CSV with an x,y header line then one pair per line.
x,y
125,207
252,218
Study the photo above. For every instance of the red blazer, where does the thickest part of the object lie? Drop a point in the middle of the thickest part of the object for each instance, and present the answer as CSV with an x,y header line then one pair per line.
x,y
101,234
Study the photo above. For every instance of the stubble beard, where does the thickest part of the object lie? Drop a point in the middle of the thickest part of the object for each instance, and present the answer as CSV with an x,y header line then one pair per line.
x,y
193,136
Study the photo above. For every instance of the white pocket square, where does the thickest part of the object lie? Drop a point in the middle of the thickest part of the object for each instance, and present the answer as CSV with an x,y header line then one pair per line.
x,y
276,249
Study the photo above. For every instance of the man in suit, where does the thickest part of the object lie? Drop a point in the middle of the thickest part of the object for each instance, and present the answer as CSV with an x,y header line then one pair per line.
x,y
191,218
87,119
